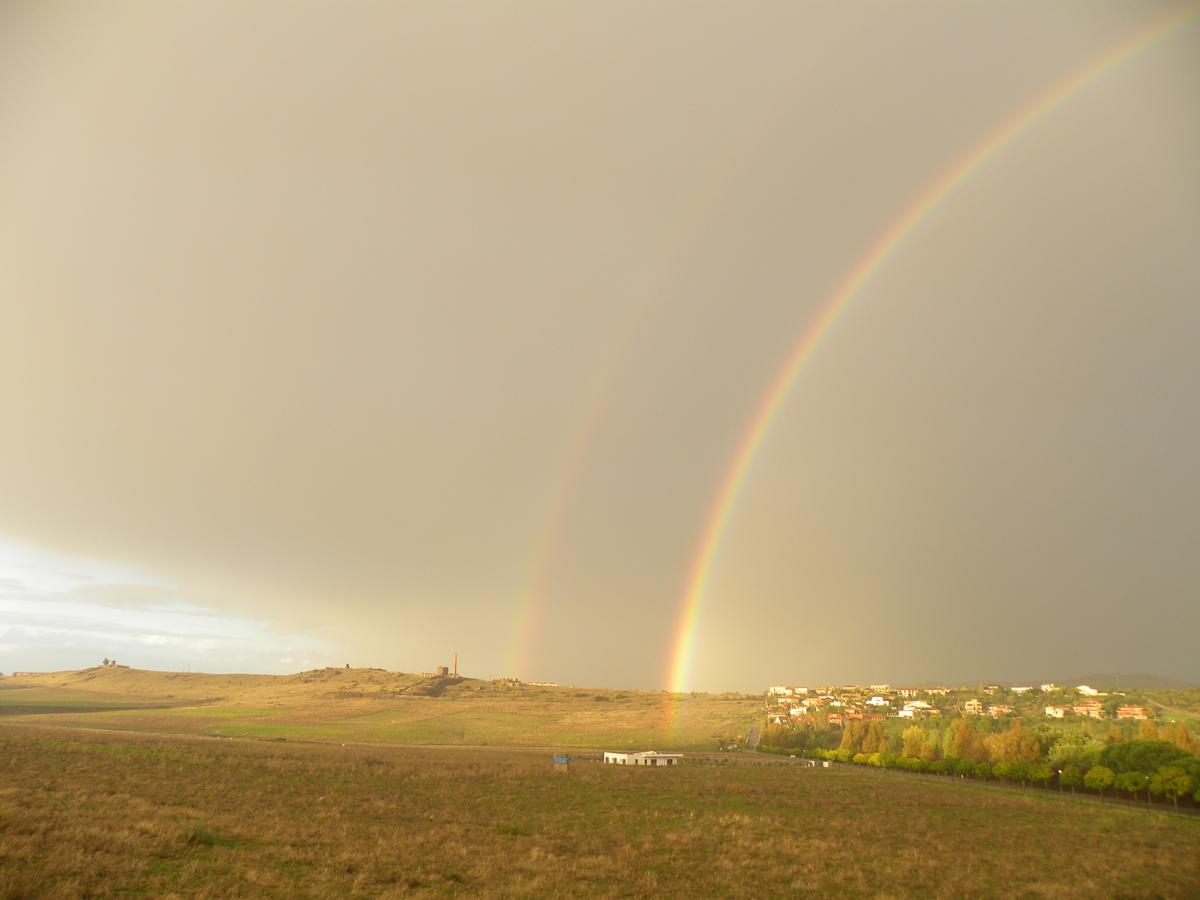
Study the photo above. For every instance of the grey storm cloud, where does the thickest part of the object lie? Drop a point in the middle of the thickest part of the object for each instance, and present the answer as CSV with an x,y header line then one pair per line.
x,y
422,328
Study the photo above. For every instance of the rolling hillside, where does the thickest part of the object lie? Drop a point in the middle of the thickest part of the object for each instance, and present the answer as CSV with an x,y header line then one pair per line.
x,y
376,706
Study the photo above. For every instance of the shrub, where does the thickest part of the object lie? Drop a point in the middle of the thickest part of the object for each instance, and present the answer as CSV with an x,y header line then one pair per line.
x,y
199,835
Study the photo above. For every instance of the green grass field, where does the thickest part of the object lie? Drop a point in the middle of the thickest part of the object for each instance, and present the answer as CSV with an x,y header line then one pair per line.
x,y
106,814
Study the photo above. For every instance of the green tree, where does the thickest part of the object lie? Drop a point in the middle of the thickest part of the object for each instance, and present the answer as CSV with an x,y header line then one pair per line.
x,y
1131,782
1070,776
1014,745
1019,772
1040,774
772,736
852,735
1098,778
964,742
1146,757
914,740
874,740
1177,733
1170,782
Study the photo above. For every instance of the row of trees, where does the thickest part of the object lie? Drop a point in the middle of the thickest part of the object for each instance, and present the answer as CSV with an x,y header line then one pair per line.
x,y
1170,782
1144,760
978,739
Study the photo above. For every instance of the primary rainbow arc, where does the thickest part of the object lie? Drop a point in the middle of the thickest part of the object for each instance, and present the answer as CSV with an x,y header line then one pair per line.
x,y
684,634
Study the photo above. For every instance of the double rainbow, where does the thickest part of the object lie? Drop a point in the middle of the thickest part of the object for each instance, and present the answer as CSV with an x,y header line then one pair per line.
x,y
684,634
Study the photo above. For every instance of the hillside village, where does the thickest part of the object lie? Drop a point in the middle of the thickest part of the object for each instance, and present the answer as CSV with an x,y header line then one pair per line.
x,y
838,704
1144,745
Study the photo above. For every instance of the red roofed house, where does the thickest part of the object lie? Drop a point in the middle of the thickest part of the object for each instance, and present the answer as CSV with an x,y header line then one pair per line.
x,y
1131,712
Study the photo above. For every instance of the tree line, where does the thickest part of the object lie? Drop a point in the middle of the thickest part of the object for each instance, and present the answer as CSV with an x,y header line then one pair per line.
x,y
1158,762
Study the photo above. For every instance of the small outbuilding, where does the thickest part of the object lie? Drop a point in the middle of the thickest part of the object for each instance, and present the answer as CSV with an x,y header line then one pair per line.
x,y
643,758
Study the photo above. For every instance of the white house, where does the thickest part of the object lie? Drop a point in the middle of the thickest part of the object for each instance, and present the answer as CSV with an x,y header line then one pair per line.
x,y
643,758
915,708
779,690
1020,689
1049,686
878,701
1087,690
1056,712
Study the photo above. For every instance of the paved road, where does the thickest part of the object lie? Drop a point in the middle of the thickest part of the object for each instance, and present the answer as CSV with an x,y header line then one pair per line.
x,y
752,738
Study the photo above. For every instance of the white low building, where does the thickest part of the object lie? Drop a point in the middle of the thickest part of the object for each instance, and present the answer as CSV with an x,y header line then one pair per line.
x,y
643,758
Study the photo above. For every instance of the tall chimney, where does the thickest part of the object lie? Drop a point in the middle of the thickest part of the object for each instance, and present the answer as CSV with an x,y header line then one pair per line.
x,y
456,663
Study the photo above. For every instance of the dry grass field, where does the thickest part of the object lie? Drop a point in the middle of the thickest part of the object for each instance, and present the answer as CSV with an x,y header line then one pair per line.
x,y
103,814
371,705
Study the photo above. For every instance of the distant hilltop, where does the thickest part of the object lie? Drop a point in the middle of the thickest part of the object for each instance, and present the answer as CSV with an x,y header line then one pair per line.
x,y
1115,682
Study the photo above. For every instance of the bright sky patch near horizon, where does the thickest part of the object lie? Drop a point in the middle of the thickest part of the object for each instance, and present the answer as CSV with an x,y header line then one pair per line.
x,y
317,322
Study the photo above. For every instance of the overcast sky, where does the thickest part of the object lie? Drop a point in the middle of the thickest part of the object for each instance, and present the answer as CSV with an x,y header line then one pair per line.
x,y
371,332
